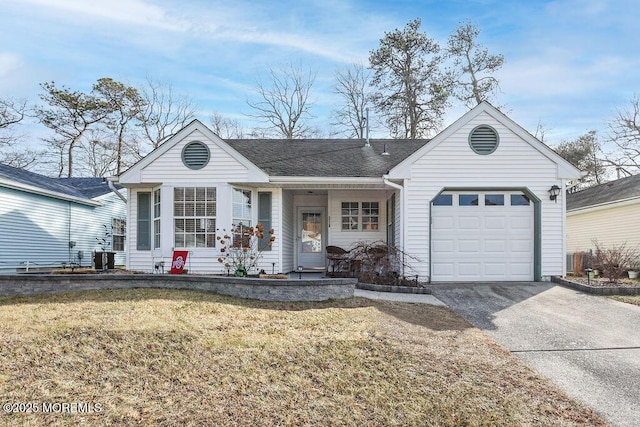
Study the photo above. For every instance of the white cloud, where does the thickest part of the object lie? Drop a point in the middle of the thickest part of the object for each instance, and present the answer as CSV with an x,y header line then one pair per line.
x,y
133,12
9,63
553,74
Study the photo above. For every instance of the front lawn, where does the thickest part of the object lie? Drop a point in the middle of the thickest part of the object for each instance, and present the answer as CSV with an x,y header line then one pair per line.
x,y
630,299
168,357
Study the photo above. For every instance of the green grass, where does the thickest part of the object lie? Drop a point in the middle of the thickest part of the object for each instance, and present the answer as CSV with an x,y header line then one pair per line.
x,y
167,357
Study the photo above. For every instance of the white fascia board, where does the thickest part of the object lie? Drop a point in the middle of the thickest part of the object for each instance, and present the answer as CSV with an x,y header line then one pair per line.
x,y
565,169
603,206
324,180
133,174
42,192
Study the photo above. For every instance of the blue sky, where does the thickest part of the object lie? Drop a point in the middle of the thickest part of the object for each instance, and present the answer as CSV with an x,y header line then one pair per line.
x,y
568,63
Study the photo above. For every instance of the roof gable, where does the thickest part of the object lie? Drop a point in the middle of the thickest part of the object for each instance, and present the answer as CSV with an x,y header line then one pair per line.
x,y
564,169
610,192
133,174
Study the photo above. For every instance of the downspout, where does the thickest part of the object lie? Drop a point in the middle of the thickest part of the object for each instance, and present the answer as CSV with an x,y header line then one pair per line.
x,y
110,181
399,187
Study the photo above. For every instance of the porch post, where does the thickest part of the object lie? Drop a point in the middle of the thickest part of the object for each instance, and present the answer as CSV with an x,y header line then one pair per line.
x,y
400,188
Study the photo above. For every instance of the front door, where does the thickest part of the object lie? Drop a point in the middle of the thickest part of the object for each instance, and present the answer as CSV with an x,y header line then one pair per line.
x,y
311,238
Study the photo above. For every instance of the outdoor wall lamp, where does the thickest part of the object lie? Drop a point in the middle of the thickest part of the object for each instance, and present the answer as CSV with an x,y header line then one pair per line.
x,y
554,192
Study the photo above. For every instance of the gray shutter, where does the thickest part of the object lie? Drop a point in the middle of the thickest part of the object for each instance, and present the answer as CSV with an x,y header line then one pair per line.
x,y
144,221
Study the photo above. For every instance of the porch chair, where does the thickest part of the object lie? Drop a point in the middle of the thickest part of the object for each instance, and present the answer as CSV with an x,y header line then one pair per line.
x,y
339,259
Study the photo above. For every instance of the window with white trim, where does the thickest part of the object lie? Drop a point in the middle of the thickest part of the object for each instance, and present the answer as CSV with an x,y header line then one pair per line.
x,y
156,219
242,212
118,231
194,212
360,216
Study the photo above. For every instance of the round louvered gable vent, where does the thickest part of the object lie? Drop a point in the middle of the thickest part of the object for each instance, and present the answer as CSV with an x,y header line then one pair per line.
x,y
483,139
195,155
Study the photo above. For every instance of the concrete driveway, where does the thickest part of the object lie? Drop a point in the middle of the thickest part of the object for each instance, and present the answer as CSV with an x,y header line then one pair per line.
x,y
587,345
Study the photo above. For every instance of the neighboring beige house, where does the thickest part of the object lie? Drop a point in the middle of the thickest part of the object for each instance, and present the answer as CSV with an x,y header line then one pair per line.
x,y
608,212
472,204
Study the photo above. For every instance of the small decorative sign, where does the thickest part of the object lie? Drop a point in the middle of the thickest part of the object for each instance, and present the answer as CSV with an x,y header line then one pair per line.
x,y
179,261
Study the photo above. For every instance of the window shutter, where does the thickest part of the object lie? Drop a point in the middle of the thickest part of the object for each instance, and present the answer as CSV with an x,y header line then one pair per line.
x,y
144,222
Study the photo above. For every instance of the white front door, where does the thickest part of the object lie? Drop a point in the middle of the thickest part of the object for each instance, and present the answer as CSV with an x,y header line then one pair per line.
x,y
482,236
311,237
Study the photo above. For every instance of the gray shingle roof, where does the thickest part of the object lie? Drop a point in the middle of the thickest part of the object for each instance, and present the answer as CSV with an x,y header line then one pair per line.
x,y
83,188
90,187
325,157
608,192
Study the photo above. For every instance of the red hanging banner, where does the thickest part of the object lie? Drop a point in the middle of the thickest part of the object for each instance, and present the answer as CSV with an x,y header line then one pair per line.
x,y
179,261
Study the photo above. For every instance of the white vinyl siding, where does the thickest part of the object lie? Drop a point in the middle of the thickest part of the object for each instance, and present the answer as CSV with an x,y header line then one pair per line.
x,y
38,229
453,164
221,167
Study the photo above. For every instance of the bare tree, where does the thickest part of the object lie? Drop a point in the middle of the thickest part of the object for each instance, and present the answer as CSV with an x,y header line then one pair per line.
x,y
585,153
70,114
164,113
411,91
124,104
283,102
624,132
473,66
97,153
541,131
352,86
12,113
225,127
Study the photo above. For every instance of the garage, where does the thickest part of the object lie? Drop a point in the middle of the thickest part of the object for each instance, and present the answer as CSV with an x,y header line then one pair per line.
x,y
482,236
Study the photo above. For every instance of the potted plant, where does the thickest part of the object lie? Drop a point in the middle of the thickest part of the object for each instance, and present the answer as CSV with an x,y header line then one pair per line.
x,y
634,270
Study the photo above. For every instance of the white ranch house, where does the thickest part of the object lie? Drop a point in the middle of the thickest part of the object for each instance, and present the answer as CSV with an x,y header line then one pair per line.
x,y
473,203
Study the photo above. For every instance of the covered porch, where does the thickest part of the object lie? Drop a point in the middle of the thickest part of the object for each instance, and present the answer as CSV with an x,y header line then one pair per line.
x,y
321,215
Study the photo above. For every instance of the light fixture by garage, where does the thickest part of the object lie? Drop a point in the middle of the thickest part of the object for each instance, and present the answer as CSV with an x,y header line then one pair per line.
x,y
554,192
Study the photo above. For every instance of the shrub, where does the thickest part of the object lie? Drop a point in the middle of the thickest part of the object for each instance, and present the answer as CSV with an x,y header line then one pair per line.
x,y
242,247
614,260
379,263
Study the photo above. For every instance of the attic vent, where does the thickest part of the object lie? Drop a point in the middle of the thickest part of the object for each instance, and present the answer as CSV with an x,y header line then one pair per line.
x,y
483,139
195,155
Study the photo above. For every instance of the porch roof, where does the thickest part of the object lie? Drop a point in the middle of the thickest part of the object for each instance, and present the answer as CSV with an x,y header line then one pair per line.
x,y
326,157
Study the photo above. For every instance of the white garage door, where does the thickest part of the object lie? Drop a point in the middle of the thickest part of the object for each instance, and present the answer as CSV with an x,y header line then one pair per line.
x,y
482,236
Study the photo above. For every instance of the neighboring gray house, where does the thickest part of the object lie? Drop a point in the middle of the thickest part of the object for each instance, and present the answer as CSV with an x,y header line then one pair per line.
x,y
472,204
608,212
45,221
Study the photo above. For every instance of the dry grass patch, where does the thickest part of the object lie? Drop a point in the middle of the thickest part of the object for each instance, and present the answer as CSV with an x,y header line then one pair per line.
x,y
168,357
629,299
